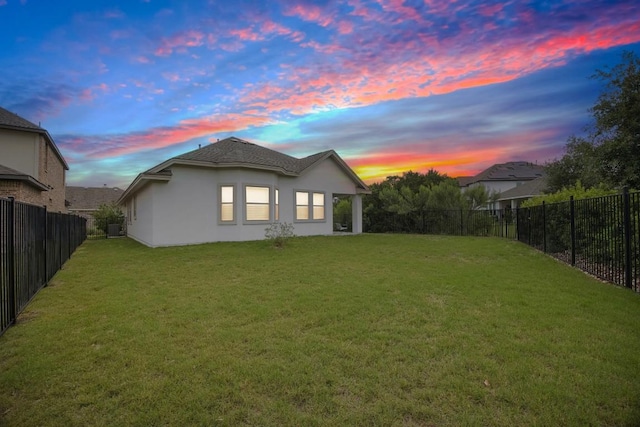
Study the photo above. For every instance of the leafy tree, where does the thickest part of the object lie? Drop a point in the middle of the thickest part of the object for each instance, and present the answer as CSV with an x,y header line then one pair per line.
x,y
108,214
477,197
578,191
342,212
617,121
610,154
446,196
581,163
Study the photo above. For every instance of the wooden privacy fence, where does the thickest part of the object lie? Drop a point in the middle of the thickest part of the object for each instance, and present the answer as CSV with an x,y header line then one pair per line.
x,y
34,244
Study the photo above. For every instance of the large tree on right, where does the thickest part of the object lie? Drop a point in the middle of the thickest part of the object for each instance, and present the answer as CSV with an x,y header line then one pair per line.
x,y
610,154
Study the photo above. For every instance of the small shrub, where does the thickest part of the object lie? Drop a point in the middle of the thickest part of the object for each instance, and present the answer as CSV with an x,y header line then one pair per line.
x,y
108,214
279,233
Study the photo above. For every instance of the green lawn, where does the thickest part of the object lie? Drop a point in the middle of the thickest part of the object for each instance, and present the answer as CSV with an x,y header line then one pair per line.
x,y
347,330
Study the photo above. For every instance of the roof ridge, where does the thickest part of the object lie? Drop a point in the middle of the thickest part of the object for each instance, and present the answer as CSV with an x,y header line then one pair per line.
x,y
11,119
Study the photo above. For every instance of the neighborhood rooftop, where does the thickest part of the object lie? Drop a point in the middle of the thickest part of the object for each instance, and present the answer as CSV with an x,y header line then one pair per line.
x,y
11,120
235,151
90,198
510,171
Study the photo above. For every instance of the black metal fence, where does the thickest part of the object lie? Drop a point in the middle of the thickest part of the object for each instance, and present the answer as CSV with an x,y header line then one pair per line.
x,y
34,244
98,230
469,223
600,236
452,222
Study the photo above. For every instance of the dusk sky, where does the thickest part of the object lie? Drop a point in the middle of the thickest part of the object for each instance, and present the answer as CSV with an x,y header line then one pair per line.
x,y
391,85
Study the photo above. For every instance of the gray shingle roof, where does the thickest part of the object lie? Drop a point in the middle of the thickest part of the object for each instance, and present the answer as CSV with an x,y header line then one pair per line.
x,y
233,150
528,189
9,174
11,120
5,170
510,171
90,198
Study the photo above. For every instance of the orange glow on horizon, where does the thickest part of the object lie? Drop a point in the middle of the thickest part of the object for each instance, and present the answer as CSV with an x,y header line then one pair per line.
x,y
379,166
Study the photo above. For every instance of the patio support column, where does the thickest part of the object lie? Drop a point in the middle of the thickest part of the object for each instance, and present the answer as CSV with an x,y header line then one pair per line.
x,y
356,214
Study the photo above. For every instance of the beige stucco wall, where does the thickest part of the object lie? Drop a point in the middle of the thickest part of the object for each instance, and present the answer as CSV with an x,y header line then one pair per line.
x,y
29,153
20,151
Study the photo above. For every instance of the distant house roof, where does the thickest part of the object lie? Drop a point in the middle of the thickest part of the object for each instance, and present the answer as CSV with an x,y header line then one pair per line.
x,y
510,171
9,120
235,152
463,181
8,174
525,191
90,198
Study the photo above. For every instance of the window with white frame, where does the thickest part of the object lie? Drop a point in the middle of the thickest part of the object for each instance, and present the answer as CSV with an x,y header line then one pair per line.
x,y
227,203
276,211
310,206
257,202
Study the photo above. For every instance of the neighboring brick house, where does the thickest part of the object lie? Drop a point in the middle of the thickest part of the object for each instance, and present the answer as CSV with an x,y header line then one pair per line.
x,y
32,168
84,201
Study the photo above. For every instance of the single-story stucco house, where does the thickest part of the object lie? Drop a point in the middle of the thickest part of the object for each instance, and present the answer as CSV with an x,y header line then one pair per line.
x,y
231,190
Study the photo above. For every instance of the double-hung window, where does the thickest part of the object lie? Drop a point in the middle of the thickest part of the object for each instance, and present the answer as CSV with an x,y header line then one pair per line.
x,y
318,206
257,200
227,203
309,206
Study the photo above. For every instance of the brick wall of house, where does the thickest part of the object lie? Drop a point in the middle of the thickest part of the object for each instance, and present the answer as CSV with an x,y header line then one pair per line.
x,y
51,172
21,192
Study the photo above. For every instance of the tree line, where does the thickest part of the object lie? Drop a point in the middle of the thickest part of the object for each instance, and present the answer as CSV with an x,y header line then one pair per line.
x,y
598,163
402,203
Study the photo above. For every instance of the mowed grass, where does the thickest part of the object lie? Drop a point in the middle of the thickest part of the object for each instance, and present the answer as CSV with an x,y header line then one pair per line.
x,y
346,330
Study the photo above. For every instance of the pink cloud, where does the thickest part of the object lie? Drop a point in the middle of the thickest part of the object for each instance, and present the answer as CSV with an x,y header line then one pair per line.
x,y
119,145
310,13
359,78
179,42
405,12
345,27
246,34
490,10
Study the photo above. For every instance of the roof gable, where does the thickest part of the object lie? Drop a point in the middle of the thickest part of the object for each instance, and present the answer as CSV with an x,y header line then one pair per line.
x,y
236,152
9,120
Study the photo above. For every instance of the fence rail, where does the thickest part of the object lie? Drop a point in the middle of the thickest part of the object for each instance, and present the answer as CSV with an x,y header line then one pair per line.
x,y
600,235
34,244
